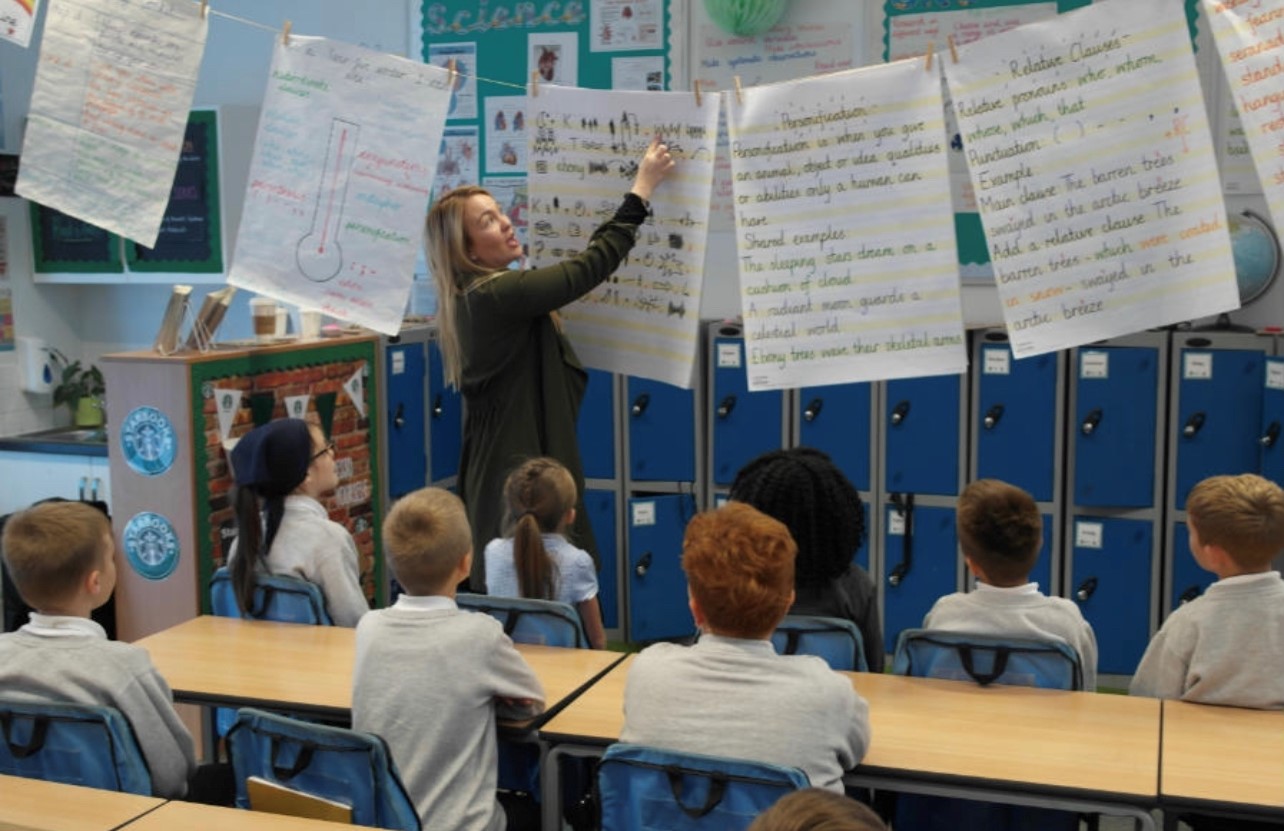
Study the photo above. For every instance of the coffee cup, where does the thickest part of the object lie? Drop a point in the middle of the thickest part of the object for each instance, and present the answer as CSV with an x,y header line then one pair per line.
x,y
263,314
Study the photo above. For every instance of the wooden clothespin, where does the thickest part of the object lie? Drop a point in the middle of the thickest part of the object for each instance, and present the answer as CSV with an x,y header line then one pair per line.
x,y
205,7
454,73
695,85
534,83
285,33
931,47
740,98
954,52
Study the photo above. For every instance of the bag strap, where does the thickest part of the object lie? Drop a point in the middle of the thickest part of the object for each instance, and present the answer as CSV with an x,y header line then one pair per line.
x,y
717,786
40,726
301,761
792,637
1000,664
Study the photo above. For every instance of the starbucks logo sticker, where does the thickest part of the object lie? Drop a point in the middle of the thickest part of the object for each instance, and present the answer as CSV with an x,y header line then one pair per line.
x,y
147,440
151,545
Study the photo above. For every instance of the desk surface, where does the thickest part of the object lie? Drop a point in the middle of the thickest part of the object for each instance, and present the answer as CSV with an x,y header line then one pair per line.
x,y
192,817
308,669
34,804
939,730
1223,755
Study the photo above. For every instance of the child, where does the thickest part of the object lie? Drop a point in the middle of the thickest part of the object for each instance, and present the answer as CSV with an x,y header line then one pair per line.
x,y
1226,647
730,694
62,559
813,809
430,678
282,469
1000,532
537,561
821,508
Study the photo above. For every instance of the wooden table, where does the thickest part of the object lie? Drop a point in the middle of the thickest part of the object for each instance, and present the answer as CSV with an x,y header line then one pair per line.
x,y
1222,760
34,804
192,817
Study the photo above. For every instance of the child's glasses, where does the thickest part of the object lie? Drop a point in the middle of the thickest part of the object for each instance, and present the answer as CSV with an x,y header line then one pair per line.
x,y
329,448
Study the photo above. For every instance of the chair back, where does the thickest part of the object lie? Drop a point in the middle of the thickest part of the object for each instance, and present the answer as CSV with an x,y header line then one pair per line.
x,y
836,640
547,622
332,763
646,789
276,597
75,744
986,659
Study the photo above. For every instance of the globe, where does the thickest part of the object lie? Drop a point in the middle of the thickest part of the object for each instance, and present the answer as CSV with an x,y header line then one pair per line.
x,y
1256,250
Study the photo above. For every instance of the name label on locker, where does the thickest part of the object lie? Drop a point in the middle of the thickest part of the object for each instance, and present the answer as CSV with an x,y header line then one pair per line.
x,y
895,524
1274,375
1094,365
643,513
398,361
728,356
1087,535
997,362
1197,366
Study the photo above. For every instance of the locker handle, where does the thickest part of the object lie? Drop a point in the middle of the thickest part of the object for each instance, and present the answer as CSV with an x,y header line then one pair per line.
x,y
399,417
436,406
993,415
1271,436
899,412
84,486
728,404
1190,594
640,404
93,493
643,566
1086,589
1090,422
905,507
813,409
1193,425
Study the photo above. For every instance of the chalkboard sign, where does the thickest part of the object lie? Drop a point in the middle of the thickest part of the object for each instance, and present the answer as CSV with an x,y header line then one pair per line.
x,y
62,243
190,239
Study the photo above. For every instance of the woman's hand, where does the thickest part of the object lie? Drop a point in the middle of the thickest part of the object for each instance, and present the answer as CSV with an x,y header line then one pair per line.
x,y
655,166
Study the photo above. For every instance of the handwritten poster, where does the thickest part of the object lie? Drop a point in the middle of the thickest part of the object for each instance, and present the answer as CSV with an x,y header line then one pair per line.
x,y
339,180
1234,156
17,19
845,236
584,149
1250,39
1099,198
109,110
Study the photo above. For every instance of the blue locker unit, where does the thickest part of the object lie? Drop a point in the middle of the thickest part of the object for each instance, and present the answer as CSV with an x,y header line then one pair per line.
x,y
1189,580
446,423
1271,461
1015,417
657,593
921,421
600,503
662,432
1116,416
920,564
1042,572
405,420
596,428
1111,581
742,424
837,419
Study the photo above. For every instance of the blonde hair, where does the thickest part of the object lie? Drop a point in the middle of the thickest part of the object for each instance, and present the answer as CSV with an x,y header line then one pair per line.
x,y
425,535
814,809
1242,514
52,547
453,271
539,494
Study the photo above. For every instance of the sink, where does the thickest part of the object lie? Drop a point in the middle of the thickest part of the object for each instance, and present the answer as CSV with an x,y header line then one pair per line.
x,y
72,435
77,441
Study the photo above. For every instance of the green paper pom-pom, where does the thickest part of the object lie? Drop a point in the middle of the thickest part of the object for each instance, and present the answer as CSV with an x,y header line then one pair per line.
x,y
745,17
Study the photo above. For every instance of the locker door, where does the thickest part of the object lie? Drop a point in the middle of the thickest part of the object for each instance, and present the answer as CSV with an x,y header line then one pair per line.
x,y
1111,583
1272,449
921,435
919,566
661,421
657,587
836,419
1115,418
1189,579
446,423
596,428
406,434
744,424
1016,419
600,504
1218,415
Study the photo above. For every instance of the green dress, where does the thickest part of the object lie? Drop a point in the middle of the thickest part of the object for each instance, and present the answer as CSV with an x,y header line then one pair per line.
x,y
521,380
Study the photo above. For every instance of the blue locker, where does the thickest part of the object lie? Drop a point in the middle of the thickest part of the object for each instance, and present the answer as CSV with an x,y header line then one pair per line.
x,y
446,426
662,424
921,435
596,428
1218,412
1115,419
1111,580
1271,460
1042,572
1016,420
836,419
600,504
1189,580
743,424
407,458
862,554
915,576
657,595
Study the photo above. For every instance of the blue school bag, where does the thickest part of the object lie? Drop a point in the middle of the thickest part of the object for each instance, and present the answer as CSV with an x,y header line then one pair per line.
x,y
75,744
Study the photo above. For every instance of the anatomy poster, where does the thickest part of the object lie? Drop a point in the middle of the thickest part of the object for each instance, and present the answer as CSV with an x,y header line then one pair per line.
x,y
340,179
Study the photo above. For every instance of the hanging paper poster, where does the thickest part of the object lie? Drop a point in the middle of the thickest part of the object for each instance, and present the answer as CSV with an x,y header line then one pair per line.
x,y
506,134
339,180
1100,199
1250,39
109,110
463,97
585,146
844,231
17,19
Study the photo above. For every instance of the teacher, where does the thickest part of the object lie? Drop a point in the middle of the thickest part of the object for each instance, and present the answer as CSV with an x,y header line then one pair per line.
x,y
502,344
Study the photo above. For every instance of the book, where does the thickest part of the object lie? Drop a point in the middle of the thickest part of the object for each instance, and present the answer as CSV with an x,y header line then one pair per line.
x,y
210,316
277,799
167,338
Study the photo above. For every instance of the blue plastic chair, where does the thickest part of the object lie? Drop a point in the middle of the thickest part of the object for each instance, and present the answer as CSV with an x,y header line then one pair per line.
x,y
647,789
75,744
836,640
546,622
276,597
333,763
985,659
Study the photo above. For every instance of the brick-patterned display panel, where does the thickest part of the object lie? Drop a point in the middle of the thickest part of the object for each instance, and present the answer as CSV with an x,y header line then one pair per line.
x,y
320,374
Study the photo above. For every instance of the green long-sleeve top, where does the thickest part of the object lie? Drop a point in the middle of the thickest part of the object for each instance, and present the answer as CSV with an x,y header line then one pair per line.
x,y
521,380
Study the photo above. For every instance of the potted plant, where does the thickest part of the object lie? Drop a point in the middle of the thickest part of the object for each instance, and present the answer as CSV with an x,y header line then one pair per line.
x,y
81,389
